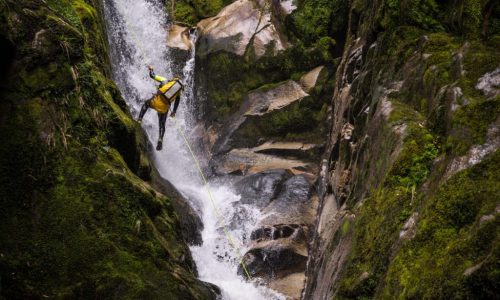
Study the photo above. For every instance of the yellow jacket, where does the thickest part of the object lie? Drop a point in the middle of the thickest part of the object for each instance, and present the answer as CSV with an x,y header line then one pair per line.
x,y
168,92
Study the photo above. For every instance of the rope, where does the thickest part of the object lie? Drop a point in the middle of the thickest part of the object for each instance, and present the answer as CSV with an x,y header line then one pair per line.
x,y
217,212
214,206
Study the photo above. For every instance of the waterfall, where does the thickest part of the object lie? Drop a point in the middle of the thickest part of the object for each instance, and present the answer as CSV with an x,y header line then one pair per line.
x,y
137,37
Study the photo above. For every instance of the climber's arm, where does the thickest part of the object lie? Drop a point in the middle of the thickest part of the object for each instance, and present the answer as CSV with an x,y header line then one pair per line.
x,y
154,76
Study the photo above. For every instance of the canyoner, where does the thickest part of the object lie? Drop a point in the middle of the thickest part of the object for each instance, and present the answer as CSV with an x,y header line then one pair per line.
x,y
169,91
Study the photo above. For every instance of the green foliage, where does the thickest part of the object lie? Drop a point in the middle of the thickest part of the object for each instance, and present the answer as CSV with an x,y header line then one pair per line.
x,y
208,8
316,19
472,16
420,13
185,13
192,11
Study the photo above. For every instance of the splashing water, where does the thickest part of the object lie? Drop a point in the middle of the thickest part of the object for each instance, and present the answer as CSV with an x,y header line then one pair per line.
x,y
137,37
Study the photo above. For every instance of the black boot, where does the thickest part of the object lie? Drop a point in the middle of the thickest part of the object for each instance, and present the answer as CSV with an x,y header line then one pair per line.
x,y
159,146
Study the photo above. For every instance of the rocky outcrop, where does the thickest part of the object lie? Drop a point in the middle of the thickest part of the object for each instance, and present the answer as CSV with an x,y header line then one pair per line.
x,y
240,26
247,161
265,120
261,102
260,189
309,80
251,136
489,84
179,37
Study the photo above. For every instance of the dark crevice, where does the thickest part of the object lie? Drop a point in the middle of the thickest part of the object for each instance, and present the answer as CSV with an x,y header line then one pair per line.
x,y
8,54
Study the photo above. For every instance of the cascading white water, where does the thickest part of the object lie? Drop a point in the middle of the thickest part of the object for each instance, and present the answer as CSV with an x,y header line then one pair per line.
x,y
137,33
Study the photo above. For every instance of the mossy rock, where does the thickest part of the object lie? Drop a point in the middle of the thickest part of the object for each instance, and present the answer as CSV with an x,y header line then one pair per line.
x,y
454,252
77,221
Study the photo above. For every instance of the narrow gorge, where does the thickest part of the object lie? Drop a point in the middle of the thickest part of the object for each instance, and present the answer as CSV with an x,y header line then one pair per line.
x,y
323,149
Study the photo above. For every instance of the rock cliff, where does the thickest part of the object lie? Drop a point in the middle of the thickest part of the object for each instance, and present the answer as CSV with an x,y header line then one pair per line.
x,y
77,219
410,198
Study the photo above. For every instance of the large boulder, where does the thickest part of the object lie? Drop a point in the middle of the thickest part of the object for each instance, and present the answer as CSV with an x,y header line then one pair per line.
x,y
279,243
260,189
241,25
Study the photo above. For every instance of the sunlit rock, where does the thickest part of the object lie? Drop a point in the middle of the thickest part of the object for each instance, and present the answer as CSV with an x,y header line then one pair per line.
x,y
246,161
308,80
179,37
239,26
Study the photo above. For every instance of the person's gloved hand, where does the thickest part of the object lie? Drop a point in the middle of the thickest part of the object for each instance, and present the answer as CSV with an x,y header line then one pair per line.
x,y
172,115
150,67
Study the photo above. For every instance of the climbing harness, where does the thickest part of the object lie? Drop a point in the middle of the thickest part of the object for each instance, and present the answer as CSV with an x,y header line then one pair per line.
x,y
197,163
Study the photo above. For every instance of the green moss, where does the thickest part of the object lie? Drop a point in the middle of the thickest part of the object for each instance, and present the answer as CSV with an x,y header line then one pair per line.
x,y
346,227
413,164
383,213
451,239
470,124
479,60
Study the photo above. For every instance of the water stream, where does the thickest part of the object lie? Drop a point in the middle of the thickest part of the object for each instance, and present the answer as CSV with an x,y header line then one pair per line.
x,y
137,37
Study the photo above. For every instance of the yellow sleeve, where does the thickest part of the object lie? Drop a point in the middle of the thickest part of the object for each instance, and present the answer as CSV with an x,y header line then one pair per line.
x,y
159,78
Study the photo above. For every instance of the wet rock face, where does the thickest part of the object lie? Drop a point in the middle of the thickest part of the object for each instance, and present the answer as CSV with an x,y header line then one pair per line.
x,y
190,222
296,191
261,188
273,261
279,231
278,245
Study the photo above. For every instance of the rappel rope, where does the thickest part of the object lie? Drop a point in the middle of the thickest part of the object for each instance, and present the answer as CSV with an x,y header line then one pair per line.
x,y
216,210
202,175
